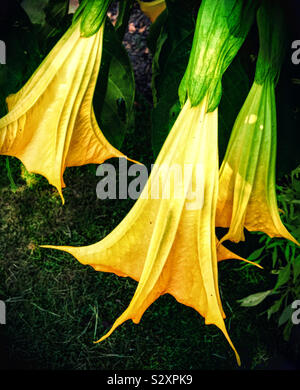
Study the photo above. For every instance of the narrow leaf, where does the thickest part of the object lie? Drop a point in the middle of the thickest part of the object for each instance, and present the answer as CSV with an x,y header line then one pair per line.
x,y
254,299
283,276
115,90
256,254
286,315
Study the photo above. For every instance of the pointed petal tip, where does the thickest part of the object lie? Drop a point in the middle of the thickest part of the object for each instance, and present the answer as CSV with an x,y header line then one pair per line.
x,y
253,263
219,242
60,248
101,339
221,326
61,195
249,262
226,254
294,240
105,336
133,161
230,237
48,247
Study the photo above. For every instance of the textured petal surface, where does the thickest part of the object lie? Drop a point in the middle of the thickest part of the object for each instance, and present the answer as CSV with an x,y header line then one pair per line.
x,y
168,244
247,191
51,123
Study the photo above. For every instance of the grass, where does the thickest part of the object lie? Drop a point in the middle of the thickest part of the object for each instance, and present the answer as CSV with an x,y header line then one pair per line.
x,y
57,307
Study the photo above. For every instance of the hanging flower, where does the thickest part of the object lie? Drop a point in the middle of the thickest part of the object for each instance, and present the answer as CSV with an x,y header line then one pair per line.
x,y
167,242
51,123
247,195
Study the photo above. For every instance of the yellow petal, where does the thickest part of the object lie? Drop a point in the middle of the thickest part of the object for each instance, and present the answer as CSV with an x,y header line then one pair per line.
x,y
247,196
169,244
153,8
225,254
51,123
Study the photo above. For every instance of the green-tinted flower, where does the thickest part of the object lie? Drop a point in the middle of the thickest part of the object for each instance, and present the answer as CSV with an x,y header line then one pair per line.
x,y
247,196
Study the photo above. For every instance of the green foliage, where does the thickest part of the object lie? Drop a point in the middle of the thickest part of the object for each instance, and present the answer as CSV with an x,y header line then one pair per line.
x,y
124,12
115,90
30,179
35,10
23,54
10,177
170,41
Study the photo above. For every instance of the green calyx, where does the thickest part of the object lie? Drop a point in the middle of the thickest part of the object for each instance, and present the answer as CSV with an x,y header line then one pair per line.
x,y
270,22
221,28
92,14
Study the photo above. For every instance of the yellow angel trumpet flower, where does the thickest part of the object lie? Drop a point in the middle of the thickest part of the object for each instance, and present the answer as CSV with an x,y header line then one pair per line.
x,y
247,195
152,9
51,123
247,186
169,244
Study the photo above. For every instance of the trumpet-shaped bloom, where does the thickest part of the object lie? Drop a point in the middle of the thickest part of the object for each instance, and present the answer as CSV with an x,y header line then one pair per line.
x,y
247,192
153,8
168,244
51,123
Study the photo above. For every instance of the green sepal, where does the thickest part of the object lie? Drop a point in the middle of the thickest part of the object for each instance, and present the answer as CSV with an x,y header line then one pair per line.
x,y
92,14
270,21
79,11
221,29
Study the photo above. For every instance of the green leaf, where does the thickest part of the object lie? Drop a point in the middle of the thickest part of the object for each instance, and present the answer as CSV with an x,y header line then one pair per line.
x,y
287,252
256,254
115,90
287,331
168,107
155,65
170,36
124,12
254,299
23,54
35,10
170,41
155,30
10,177
274,308
283,276
57,21
296,268
274,256
286,315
